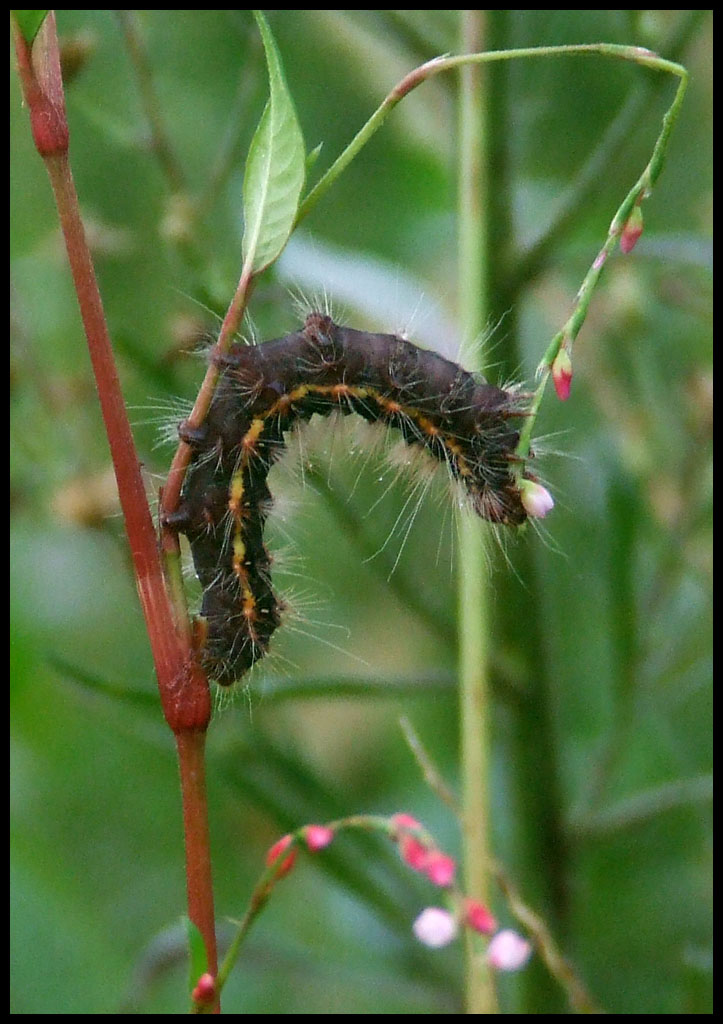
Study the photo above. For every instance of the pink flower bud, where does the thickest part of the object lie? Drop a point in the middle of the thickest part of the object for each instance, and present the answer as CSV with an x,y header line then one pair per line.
x,y
440,868
536,499
508,951
403,820
435,927
479,917
274,855
318,836
562,374
414,853
205,990
632,230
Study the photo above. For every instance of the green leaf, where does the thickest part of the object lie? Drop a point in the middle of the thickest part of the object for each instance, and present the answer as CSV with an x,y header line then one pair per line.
x,y
274,168
197,960
29,22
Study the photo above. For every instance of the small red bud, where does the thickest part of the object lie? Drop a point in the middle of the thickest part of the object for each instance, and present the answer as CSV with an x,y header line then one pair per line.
x,y
632,230
403,820
478,917
205,990
275,854
440,868
562,374
318,836
414,853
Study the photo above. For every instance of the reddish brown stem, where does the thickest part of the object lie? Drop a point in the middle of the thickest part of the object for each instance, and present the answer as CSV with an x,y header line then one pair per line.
x,y
190,746
177,472
184,690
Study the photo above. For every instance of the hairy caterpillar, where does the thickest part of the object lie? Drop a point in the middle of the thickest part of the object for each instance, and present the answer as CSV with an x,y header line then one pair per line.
x,y
459,419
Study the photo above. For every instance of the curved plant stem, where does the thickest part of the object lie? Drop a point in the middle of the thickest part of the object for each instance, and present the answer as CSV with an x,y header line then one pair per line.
x,y
558,965
636,54
525,266
474,629
172,490
565,338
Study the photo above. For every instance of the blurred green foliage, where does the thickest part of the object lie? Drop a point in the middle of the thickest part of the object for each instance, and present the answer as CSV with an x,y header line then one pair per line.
x,y
602,719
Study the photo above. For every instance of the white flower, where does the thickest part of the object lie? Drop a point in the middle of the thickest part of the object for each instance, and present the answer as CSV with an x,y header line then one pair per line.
x,y
435,927
508,951
536,499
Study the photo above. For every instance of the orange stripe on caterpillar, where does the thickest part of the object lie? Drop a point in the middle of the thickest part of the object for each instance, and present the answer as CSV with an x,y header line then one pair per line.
x,y
263,392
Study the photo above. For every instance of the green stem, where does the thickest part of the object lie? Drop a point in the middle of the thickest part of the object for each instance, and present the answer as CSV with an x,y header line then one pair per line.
x,y
264,886
565,338
524,266
636,54
474,628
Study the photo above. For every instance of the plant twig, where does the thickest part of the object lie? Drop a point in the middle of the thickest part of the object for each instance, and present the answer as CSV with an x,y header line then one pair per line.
x,y
559,967
182,458
183,688
562,344
144,77
437,65
525,266
428,768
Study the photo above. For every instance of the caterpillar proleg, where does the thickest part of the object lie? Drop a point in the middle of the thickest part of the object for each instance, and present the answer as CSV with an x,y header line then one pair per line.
x,y
263,392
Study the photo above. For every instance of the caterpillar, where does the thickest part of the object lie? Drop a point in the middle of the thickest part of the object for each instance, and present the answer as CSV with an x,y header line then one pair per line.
x,y
264,391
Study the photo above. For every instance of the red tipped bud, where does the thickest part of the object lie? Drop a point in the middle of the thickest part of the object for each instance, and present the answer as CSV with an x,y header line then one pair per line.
x,y
318,836
205,990
274,856
435,927
536,499
414,853
422,856
562,374
403,820
632,231
478,917
508,951
440,868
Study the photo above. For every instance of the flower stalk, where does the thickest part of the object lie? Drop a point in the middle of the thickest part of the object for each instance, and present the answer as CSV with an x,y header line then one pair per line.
x,y
434,927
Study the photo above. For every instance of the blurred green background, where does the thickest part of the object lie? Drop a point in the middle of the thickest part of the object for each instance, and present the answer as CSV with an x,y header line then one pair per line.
x,y
602,621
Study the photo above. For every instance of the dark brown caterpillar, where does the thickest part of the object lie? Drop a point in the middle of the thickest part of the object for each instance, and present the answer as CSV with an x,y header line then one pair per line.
x,y
263,392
